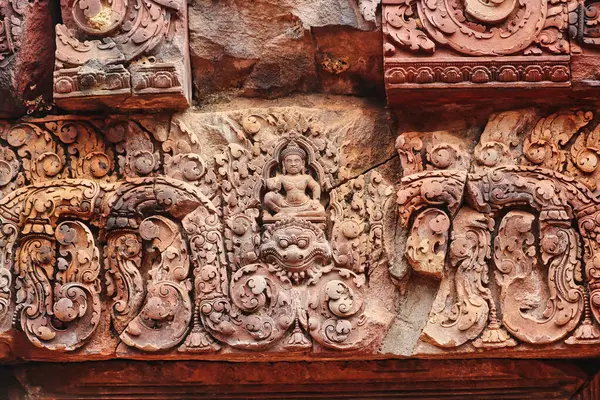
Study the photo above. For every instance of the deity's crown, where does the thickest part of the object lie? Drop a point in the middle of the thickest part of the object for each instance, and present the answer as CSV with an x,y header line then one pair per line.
x,y
293,148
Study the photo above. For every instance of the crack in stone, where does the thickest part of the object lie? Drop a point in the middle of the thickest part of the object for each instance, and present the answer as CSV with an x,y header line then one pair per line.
x,y
364,172
316,57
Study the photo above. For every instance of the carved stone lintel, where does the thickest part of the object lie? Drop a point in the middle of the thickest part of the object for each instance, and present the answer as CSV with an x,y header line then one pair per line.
x,y
196,259
461,45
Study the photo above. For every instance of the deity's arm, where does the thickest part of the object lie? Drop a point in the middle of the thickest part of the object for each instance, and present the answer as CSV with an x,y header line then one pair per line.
x,y
274,183
314,187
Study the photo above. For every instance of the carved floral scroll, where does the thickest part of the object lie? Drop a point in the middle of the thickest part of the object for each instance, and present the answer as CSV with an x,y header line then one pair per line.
x,y
512,239
137,238
454,44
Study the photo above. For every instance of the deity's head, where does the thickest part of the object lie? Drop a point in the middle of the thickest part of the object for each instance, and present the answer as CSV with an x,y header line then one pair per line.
x,y
293,158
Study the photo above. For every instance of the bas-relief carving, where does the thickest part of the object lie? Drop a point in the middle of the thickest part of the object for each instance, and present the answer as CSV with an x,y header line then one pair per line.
x,y
447,43
11,28
286,194
130,229
583,18
512,236
122,54
126,227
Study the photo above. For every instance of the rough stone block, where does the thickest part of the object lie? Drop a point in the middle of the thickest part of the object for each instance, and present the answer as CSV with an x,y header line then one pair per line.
x,y
26,56
270,48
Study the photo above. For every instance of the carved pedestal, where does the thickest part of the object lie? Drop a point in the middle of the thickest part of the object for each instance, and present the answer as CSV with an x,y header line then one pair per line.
x,y
124,54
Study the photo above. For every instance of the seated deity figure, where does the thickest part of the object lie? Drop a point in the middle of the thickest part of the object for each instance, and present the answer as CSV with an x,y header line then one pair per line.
x,y
287,192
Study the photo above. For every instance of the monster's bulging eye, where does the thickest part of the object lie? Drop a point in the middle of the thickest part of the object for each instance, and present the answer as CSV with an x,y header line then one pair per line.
x,y
283,243
302,243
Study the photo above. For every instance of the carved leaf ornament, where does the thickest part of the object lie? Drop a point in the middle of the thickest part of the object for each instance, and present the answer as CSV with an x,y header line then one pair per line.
x,y
520,223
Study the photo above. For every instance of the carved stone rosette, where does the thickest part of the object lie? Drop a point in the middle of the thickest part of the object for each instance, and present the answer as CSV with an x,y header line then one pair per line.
x,y
512,236
126,54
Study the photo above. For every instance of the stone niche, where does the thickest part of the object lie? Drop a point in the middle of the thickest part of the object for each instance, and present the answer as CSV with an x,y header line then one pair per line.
x,y
279,232
122,55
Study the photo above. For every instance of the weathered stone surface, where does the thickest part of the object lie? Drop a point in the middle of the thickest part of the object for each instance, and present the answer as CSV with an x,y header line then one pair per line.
x,y
347,61
271,48
26,56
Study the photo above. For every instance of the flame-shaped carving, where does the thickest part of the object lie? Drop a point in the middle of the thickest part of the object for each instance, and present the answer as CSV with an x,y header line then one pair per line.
x,y
167,311
460,309
59,298
123,255
530,312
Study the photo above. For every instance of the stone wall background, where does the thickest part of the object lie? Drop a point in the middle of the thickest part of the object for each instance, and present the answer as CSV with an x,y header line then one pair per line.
x,y
270,49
